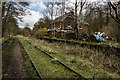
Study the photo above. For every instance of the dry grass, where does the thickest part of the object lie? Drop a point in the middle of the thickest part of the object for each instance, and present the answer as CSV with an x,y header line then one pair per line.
x,y
45,65
109,63
72,55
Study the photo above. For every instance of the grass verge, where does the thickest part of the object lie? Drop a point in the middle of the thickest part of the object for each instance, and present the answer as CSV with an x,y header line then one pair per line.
x,y
7,58
46,66
87,62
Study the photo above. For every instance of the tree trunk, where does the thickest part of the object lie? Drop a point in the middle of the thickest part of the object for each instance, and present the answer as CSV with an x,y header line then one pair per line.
x,y
80,13
52,26
5,19
63,11
76,30
118,37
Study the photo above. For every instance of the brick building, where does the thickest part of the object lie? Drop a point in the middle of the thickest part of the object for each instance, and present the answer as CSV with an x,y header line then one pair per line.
x,y
64,26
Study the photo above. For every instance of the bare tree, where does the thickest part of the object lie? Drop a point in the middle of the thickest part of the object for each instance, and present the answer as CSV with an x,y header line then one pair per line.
x,y
76,29
52,25
50,7
113,7
116,16
5,17
8,11
56,11
62,13
82,3
77,20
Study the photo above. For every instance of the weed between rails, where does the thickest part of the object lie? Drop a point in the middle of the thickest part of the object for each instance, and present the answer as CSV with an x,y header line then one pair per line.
x,y
92,62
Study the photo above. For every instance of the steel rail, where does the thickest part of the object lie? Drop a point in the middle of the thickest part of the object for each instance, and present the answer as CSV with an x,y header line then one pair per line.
x,y
4,43
38,74
80,76
36,70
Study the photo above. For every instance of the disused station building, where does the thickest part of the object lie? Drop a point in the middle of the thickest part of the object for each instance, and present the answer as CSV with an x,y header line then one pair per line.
x,y
64,27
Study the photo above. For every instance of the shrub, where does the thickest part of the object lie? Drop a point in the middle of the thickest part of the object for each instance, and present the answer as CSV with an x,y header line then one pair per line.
x,y
110,31
41,32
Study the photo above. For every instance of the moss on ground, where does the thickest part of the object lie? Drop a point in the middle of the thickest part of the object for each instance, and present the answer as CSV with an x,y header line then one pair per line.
x,y
3,40
47,67
87,62
7,58
28,65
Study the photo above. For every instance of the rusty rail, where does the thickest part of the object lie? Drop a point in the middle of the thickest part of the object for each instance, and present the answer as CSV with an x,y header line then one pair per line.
x,y
4,43
38,74
80,76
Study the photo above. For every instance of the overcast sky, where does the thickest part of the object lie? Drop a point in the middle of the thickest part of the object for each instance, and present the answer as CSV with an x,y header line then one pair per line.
x,y
37,8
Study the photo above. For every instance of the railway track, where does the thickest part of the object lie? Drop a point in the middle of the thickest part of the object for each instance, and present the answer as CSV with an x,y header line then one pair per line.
x,y
4,43
33,65
7,41
80,76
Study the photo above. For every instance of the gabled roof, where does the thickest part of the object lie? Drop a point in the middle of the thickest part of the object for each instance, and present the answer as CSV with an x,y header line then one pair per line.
x,y
61,18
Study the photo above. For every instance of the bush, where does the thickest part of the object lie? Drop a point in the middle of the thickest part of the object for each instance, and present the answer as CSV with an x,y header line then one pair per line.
x,y
41,32
111,31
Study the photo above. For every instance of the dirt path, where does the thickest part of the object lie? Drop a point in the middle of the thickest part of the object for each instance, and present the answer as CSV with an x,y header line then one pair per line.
x,y
13,62
18,68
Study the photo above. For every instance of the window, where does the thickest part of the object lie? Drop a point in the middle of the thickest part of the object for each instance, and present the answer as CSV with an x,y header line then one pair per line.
x,y
68,23
80,26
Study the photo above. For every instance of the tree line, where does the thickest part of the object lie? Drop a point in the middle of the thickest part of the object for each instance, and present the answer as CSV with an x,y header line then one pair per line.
x,y
101,17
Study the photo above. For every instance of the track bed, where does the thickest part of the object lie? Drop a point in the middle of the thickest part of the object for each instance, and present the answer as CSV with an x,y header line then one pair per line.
x,y
14,61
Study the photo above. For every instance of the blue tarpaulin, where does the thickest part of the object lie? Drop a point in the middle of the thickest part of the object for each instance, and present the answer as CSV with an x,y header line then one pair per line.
x,y
97,37
101,39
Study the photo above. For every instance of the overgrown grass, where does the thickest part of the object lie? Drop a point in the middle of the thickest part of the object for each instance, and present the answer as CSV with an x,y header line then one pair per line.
x,y
3,40
28,65
89,63
107,42
113,43
47,67
7,58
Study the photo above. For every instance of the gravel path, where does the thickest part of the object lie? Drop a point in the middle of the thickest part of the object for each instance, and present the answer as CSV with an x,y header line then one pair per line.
x,y
13,61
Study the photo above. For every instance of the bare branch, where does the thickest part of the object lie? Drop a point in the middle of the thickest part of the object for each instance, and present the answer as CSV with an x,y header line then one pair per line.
x,y
116,18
